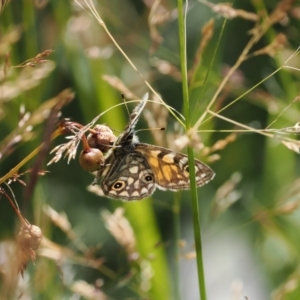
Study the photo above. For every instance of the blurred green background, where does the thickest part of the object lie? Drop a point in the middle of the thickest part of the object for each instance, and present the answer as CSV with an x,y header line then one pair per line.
x,y
251,246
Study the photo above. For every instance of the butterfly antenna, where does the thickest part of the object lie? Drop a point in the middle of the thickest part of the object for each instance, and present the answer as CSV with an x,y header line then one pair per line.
x,y
150,129
124,100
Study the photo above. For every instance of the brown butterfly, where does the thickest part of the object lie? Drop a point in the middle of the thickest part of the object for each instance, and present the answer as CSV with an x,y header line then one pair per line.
x,y
133,170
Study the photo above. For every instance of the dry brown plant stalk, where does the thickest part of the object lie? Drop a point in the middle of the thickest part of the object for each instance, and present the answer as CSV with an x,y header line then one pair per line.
x,y
28,239
157,16
121,230
62,99
227,11
38,59
207,33
92,9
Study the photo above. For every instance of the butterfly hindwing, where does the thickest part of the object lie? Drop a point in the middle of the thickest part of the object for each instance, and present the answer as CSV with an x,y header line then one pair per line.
x,y
130,178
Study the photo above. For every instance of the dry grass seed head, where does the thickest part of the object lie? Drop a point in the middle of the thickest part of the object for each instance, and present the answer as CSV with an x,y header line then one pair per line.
x,y
26,80
95,189
289,202
11,283
280,12
28,240
226,195
119,85
207,33
274,47
69,149
156,116
157,16
221,144
295,12
288,287
287,208
292,145
3,3
227,11
182,244
191,139
87,291
16,177
38,59
190,255
9,38
166,68
121,230
59,219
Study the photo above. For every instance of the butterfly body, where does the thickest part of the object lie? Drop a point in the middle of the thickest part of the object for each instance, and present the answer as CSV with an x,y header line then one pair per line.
x,y
133,170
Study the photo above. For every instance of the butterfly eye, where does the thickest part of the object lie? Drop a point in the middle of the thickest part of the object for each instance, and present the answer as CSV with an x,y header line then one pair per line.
x,y
148,178
118,185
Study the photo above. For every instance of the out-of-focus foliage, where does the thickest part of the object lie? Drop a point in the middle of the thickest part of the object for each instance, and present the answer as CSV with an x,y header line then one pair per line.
x,y
98,248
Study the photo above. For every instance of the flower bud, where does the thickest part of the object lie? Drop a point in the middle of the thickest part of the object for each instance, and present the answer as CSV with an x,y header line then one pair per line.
x,y
103,139
91,160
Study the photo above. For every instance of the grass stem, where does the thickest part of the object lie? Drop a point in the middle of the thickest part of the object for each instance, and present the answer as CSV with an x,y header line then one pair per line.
x,y
194,195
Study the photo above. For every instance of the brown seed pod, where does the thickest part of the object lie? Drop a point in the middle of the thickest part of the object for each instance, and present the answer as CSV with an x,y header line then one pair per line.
x,y
91,160
102,139
30,237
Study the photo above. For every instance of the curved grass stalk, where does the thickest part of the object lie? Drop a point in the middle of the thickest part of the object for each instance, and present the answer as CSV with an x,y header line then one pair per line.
x,y
94,12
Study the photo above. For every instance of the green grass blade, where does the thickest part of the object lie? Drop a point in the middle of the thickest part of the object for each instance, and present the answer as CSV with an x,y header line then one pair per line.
x,y
194,195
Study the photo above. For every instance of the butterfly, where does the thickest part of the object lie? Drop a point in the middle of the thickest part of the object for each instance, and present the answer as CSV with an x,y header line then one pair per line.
x,y
133,170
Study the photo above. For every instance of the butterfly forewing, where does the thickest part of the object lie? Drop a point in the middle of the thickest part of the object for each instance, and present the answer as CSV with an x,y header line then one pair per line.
x,y
128,133
171,168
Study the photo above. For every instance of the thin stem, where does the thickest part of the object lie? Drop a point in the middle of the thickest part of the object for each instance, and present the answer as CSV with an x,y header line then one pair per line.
x,y
254,39
176,223
94,12
194,196
14,170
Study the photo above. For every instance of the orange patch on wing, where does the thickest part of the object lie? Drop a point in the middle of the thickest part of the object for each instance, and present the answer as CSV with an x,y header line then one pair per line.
x,y
159,176
167,172
153,162
174,168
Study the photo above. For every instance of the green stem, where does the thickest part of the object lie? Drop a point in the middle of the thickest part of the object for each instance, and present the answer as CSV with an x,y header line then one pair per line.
x,y
176,223
194,196
15,169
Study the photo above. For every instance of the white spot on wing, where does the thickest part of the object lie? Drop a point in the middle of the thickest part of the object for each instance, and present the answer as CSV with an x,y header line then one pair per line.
x,y
135,194
130,180
124,194
144,191
134,170
169,158
150,186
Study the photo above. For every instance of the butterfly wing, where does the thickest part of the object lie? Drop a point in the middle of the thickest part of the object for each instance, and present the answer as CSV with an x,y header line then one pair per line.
x,y
133,170
126,137
171,168
128,178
